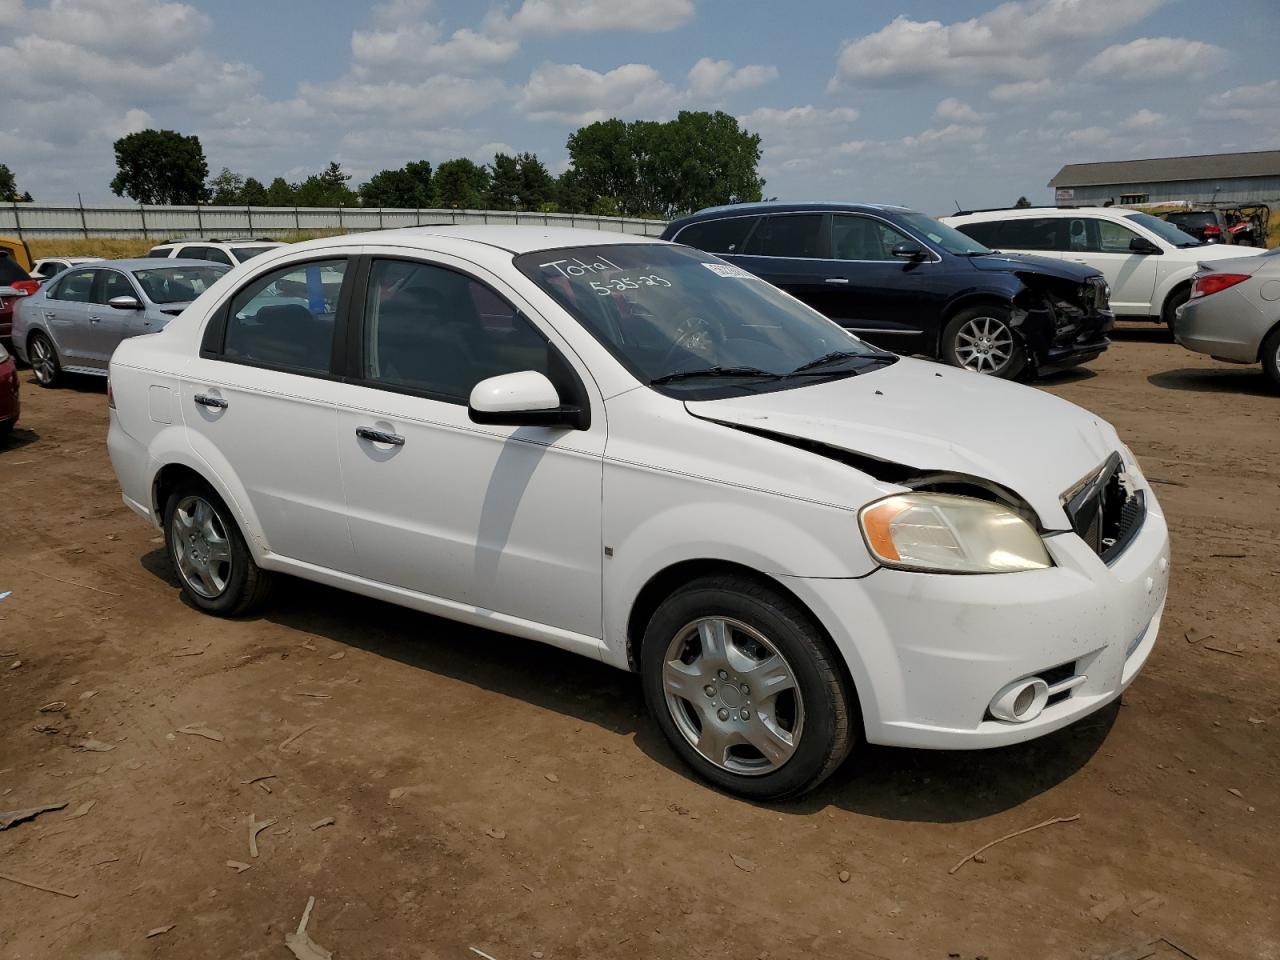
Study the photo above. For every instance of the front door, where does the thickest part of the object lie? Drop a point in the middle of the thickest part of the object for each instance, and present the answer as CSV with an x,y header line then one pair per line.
x,y
107,325
497,519
1104,245
257,402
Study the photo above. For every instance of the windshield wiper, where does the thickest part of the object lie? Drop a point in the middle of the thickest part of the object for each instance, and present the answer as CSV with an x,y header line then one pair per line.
x,y
812,367
711,372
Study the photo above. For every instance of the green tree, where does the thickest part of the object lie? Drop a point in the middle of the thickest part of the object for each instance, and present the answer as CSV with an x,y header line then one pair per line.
x,y
254,194
602,163
537,186
461,184
409,187
160,166
504,183
227,188
281,193
1022,202
9,187
326,189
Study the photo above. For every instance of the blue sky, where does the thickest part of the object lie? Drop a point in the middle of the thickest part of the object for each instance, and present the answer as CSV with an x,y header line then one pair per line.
x,y
925,103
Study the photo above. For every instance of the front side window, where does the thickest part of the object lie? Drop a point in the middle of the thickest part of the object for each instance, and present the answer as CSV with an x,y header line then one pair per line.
x,y
178,284
76,287
285,318
862,238
942,235
693,326
113,285
718,236
430,329
787,235
1105,236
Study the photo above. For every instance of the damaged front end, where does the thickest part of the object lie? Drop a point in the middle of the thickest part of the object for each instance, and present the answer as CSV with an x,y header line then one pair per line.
x,y
1064,322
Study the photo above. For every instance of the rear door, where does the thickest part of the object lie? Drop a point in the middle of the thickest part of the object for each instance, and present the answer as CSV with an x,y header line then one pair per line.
x,y
791,251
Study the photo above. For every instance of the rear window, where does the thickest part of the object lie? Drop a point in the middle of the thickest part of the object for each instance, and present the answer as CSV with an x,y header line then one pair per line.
x,y
10,270
718,236
1191,219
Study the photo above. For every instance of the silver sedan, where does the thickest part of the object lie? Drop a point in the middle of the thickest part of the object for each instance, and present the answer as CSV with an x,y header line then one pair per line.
x,y
1234,312
73,323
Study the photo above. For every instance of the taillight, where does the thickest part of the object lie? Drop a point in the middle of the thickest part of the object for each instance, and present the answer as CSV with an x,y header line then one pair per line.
x,y
1213,230
1208,283
27,286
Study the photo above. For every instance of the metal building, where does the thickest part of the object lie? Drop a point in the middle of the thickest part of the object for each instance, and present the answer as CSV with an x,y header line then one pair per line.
x,y
1213,178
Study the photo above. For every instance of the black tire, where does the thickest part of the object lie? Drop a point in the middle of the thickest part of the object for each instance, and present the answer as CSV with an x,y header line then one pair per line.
x,y
1271,357
47,373
997,319
6,428
1169,312
827,705
246,585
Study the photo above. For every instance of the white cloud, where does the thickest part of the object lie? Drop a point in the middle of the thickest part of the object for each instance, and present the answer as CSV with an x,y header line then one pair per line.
x,y
1257,103
1014,40
1155,58
711,79
590,16
1145,119
957,111
1065,116
572,93
1021,91
951,133
772,119
1089,135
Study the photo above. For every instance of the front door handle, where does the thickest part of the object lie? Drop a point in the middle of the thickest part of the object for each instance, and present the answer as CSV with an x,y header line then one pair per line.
x,y
95,319
379,436
207,401
50,315
836,280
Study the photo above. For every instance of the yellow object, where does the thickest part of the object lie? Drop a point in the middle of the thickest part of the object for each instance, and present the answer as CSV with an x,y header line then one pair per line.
x,y
17,249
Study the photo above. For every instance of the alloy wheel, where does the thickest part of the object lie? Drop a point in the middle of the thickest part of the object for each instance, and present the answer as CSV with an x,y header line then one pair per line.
x,y
201,547
733,696
43,363
984,345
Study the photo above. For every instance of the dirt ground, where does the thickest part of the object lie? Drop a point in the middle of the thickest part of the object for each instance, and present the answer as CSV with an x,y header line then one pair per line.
x,y
493,794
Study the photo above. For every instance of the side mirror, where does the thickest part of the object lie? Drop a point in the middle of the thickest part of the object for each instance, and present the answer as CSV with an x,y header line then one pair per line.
x,y
124,303
1143,246
524,399
908,251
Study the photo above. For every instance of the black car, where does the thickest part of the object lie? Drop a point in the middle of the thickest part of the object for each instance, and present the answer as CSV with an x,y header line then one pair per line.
x,y
904,281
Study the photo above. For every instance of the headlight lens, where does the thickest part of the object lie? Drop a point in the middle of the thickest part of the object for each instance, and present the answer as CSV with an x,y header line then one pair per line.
x,y
1131,464
949,534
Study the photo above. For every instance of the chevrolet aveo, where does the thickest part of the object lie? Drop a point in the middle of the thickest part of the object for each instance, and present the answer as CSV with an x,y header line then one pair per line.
x,y
638,452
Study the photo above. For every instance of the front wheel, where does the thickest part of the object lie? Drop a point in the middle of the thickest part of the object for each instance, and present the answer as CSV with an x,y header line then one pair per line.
x,y
746,688
982,339
1271,357
44,360
206,548
1169,312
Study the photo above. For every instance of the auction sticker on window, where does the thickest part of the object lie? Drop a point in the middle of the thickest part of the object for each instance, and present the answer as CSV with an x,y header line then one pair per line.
x,y
729,270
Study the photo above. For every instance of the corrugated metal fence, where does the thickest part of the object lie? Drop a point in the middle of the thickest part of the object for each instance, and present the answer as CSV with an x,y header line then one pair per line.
x,y
30,221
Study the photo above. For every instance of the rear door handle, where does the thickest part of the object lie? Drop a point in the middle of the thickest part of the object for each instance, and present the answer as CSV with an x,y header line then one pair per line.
x,y
836,280
379,436
207,401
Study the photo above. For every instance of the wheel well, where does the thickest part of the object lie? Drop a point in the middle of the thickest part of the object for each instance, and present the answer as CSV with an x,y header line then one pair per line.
x,y
1274,331
167,480
664,583
1177,289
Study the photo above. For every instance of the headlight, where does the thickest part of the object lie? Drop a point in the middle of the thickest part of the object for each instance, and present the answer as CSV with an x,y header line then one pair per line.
x,y
948,534
1131,464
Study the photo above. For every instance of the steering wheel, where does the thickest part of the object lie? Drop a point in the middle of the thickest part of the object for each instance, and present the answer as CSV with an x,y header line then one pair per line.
x,y
691,331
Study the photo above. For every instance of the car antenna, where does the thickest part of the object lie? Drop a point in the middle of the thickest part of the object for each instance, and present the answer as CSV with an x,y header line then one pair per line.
x,y
957,203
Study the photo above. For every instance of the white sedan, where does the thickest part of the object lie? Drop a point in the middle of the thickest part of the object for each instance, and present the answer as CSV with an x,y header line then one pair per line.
x,y
633,450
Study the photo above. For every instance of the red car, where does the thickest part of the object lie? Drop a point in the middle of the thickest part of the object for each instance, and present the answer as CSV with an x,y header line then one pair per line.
x,y
8,392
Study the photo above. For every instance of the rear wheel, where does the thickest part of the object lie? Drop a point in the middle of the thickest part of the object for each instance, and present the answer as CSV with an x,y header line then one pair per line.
x,y
746,688
207,550
44,360
1271,357
982,339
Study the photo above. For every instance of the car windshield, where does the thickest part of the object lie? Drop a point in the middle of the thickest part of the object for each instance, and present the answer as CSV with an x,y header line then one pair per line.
x,y
178,284
248,253
941,235
693,326
1165,230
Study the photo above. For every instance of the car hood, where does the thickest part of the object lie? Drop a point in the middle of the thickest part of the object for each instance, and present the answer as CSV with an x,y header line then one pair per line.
x,y
937,419
1013,262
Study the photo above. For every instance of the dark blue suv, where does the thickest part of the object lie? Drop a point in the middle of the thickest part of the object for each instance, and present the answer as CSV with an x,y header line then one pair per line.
x,y
904,281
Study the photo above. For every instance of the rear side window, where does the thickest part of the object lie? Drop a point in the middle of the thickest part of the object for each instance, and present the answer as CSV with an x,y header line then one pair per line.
x,y
159,252
788,235
432,330
75,287
1033,233
718,236
285,319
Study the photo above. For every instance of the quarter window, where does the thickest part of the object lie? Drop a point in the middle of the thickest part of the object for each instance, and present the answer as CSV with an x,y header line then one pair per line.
x,y
432,330
787,235
286,318
862,238
74,287
718,236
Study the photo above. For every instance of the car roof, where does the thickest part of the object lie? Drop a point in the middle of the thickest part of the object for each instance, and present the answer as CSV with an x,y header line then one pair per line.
x,y
1019,212
222,241
152,263
792,206
513,239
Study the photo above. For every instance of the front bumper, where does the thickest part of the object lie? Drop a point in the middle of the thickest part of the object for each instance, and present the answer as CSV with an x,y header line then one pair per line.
x,y
928,652
1224,325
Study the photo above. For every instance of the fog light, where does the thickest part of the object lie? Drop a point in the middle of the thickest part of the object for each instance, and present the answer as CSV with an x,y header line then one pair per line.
x,y
1020,701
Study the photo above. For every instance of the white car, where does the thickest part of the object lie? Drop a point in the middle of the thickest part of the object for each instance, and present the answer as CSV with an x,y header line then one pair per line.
x,y
48,267
230,253
635,451
1148,262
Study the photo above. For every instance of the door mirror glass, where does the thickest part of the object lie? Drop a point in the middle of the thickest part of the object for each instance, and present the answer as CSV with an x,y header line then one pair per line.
x,y
525,398
1143,245
908,251
124,303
